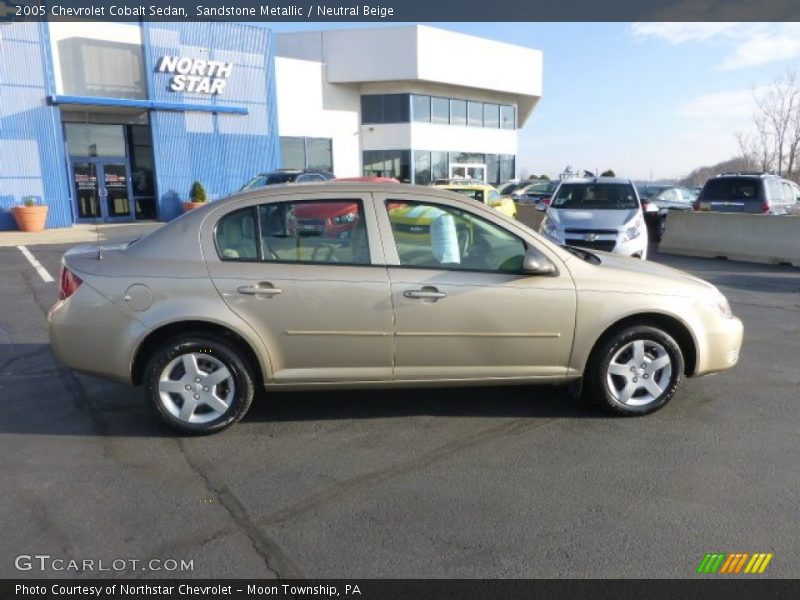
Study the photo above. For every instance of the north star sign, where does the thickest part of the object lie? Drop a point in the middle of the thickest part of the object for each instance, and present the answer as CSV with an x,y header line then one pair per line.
x,y
195,74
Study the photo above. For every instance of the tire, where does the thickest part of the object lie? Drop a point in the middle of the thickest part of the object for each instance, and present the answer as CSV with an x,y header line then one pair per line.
x,y
211,407
611,382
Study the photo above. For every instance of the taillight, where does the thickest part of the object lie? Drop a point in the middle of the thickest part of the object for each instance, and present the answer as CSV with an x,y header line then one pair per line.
x,y
645,205
546,201
68,284
764,208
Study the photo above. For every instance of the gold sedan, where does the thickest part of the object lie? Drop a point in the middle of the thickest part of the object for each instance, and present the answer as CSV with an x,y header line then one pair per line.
x,y
427,288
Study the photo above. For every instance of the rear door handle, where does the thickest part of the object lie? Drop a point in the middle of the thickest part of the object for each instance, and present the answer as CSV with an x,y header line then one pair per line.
x,y
261,289
426,293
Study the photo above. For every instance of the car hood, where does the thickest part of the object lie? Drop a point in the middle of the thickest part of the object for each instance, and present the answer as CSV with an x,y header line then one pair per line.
x,y
574,218
633,275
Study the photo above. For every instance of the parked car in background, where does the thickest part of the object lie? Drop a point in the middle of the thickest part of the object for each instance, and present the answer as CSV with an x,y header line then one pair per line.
x,y
601,213
227,300
485,194
752,193
658,201
369,179
512,185
287,176
535,193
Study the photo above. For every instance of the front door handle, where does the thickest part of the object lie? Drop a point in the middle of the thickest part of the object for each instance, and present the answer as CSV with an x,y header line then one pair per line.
x,y
426,293
261,289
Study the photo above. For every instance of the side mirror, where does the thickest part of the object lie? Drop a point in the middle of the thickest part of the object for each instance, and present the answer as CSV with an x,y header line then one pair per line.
x,y
536,263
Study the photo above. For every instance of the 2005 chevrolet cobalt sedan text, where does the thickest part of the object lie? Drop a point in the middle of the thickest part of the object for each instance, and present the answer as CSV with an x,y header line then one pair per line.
x,y
427,288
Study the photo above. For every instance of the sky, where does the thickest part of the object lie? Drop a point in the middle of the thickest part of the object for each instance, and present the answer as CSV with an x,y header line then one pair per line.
x,y
648,100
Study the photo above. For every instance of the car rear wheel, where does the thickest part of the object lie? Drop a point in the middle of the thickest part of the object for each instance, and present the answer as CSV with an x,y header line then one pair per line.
x,y
199,384
635,371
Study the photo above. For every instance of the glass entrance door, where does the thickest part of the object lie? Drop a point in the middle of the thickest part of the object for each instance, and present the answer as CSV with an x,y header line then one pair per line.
x,y
468,171
102,189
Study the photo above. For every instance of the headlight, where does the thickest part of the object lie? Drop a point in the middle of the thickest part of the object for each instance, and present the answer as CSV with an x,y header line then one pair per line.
x,y
720,304
633,230
549,229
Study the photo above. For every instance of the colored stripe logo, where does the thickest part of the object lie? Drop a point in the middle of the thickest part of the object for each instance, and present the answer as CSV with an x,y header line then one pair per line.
x,y
734,563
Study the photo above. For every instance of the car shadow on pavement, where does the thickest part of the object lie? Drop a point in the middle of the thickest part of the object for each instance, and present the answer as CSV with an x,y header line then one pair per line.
x,y
42,397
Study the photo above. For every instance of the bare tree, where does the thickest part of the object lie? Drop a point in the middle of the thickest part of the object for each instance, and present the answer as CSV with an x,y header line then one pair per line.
x,y
776,108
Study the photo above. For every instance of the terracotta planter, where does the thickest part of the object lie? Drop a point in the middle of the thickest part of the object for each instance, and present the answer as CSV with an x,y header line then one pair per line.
x,y
30,218
187,206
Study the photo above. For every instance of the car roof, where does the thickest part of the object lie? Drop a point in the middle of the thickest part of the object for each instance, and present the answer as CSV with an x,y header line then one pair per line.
x,y
464,186
591,180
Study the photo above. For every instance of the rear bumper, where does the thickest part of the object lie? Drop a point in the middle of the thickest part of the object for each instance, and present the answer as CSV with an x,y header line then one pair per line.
x,y
90,334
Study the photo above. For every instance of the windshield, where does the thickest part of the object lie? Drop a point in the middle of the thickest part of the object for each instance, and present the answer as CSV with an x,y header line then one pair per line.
x,y
609,196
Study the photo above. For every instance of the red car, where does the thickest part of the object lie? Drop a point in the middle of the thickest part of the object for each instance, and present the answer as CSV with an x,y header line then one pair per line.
x,y
326,219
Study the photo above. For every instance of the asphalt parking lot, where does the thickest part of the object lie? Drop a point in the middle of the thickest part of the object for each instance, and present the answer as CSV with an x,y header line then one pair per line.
x,y
473,483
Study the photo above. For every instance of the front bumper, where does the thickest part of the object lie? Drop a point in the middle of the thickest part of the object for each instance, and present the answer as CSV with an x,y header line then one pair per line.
x,y
721,346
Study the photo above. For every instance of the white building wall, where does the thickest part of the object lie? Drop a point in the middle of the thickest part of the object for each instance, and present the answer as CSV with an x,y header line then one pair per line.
x,y
309,106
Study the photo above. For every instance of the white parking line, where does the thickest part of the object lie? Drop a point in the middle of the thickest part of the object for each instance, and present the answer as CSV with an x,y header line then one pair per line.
x,y
36,264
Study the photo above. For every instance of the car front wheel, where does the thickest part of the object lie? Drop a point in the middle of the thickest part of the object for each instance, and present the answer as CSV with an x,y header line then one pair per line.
x,y
635,371
199,384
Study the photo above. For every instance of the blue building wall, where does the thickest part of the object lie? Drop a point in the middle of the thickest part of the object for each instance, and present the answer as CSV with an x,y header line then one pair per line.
x,y
32,161
222,151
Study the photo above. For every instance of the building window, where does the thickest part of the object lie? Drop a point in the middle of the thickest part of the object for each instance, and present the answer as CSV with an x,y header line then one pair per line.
x,y
506,167
421,106
458,112
440,110
307,153
475,114
493,170
491,116
422,167
507,117
439,165
385,108
89,139
388,163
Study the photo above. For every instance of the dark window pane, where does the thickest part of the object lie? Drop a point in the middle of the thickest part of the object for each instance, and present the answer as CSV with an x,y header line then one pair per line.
x,y
319,155
440,110
422,108
102,68
491,115
458,112
422,167
95,140
371,109
493,169
439,165
506,167
395,108
507,120
475,114
293,154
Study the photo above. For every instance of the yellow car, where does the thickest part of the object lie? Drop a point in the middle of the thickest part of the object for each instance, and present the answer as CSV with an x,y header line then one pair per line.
x,y
486,194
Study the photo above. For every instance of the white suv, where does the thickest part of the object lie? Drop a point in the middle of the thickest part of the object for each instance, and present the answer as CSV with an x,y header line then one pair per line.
x,y
601,213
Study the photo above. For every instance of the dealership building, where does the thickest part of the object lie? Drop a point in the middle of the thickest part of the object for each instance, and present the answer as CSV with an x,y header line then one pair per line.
x,y
115,121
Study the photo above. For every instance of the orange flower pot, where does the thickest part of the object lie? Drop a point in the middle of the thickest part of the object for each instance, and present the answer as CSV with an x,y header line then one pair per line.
x,y
187,206
30,218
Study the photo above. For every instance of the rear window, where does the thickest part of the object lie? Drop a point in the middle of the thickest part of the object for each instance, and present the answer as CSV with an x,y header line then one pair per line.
x,y
609,196
740,188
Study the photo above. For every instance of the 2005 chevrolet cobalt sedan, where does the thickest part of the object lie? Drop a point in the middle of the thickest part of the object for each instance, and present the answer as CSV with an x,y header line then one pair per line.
x,y
427,288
